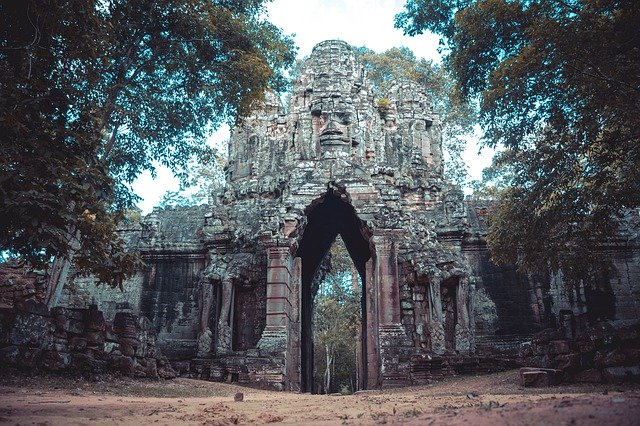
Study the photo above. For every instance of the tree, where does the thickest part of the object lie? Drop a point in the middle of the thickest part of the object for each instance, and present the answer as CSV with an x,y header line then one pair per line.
x,y
201,183
559,86
457,117
94,92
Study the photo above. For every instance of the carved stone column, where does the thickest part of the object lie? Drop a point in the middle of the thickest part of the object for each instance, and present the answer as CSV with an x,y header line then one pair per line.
x,y
436,327
293,359
205,335
225,319
387,281
370,331
279,265
463,336
393,342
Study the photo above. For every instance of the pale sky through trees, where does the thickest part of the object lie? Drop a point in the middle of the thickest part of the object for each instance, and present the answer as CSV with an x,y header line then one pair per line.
x,y
358,22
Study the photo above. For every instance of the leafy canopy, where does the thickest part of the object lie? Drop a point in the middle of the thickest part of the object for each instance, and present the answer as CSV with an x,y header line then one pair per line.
x,y
94,92
559,89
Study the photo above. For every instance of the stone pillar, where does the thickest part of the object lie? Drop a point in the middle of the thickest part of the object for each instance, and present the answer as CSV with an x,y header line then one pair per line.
x,y
387,281
205,335
293,359
393,342
463,336
279,265
436,326
225,318
370,332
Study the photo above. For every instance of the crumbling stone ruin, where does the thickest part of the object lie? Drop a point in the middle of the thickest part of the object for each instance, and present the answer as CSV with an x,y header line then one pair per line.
x,y
228,286
76,341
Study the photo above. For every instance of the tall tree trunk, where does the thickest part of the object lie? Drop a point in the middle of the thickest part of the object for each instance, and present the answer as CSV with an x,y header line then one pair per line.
x,y
327,370
60,269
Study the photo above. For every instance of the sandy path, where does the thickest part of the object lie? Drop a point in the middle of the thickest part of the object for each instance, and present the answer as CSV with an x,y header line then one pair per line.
x,y
484,400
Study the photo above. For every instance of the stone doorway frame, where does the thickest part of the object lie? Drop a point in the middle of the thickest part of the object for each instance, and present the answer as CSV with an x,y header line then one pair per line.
x,y
381,300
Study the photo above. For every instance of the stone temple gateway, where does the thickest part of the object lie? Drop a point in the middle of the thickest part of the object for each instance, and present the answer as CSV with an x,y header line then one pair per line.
x,y
228,285
337,165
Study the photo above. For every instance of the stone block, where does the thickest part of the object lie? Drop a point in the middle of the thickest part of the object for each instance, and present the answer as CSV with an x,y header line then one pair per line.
x,y
621,374
126,349
74,326
152,368
81,362
141,350
94,319
568,362
60,321
95,339
31,330
539,377
32,307
123,364
109,334
109,347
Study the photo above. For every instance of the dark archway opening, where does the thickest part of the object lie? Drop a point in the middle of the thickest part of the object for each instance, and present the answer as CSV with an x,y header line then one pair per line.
x,y
327,219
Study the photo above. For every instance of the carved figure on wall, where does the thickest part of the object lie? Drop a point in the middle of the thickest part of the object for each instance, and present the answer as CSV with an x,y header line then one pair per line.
x,y
224,320
462,333
436,325
205,335
454,208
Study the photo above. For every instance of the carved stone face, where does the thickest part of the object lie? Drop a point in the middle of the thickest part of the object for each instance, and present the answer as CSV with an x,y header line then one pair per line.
x,y
332,122
333,84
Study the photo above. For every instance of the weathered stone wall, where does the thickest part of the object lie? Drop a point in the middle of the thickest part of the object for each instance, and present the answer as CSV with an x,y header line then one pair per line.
x,y
167,290
19,284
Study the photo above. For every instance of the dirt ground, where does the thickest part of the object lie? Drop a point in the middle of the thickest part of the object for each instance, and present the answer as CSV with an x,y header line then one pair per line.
x,y
494,399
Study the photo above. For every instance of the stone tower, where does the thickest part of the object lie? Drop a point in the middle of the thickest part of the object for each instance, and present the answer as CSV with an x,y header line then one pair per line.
x,y
335,163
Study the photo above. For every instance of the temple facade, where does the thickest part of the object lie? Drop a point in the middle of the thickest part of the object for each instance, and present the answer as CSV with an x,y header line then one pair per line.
x,y
228,286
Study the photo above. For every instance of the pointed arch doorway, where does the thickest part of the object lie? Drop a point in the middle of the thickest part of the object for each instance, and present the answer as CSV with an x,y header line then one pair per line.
x,y
328,218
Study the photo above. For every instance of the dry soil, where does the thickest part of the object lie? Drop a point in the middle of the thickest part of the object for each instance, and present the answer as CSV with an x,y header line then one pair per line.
x,y
494,399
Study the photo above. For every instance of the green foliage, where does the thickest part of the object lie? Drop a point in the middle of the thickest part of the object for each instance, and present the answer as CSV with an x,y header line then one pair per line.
x,y
559,83
337,318
203,180
92,93
457,117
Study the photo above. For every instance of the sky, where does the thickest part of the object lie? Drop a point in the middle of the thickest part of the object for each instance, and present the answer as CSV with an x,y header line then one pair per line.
x,y
358,22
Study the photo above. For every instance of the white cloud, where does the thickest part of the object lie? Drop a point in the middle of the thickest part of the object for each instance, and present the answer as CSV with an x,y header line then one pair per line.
x,y
359,23
151,190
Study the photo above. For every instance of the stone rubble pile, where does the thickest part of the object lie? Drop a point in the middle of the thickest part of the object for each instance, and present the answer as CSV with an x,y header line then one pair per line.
x,y
604,352
79,341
